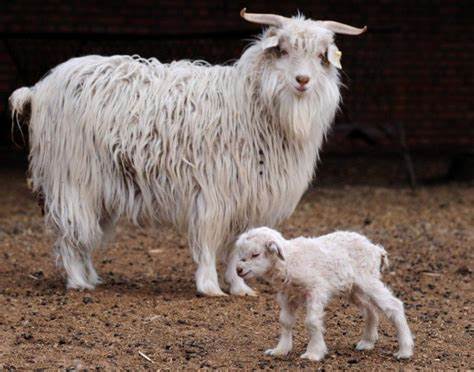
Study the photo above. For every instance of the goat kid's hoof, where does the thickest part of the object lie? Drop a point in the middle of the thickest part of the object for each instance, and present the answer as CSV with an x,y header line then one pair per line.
x,y
364,345
276,352
316,357
403,354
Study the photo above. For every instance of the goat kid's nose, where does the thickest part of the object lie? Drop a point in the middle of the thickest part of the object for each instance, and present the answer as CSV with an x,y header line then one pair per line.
x,y
302,79
239,270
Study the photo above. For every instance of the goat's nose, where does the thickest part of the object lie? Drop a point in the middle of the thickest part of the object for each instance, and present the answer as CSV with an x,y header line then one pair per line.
x,y
239,270
302,79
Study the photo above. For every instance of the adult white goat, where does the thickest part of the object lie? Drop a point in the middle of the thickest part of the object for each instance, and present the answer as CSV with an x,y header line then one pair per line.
x,y
212,150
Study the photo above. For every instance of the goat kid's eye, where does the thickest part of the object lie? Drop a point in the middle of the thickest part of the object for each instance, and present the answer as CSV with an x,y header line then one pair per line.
x,y
255,255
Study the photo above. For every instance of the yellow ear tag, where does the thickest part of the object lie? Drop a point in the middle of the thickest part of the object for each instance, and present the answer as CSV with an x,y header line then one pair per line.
x,y
334,56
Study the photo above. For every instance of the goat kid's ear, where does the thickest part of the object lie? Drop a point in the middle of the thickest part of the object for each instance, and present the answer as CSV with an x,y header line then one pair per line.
x,y
334,56
274,248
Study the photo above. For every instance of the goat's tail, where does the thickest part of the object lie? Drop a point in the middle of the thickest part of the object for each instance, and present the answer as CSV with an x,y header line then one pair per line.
x,y
20,104
20,108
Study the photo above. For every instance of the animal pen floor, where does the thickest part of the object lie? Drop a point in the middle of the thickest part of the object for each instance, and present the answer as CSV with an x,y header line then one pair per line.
x,y
147,306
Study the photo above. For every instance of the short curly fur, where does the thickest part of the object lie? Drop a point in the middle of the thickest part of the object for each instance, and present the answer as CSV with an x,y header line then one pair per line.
x,y
310,271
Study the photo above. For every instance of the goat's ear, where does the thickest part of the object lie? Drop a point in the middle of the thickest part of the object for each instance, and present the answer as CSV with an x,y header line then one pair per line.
x,y
274,248
270,42
334,56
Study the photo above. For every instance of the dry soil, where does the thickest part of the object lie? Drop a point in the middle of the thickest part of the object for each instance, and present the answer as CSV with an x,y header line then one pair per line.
x,y
146,314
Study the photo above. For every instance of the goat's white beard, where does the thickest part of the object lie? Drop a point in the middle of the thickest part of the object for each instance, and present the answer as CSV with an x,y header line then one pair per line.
x,y
297,114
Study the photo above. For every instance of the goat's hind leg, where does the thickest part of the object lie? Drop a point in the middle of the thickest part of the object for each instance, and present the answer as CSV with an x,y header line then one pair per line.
x,y
107,226
77,262
78,236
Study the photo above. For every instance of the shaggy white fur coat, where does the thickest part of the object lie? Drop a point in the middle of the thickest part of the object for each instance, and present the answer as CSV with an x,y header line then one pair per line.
x,y
212,150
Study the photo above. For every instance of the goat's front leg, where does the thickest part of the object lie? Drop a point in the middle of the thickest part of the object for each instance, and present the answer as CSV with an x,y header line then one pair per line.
x,y
287,321
316,349
237,285
207,281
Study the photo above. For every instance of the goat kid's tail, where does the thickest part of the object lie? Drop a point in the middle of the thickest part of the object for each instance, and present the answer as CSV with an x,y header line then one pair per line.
x,y
384,264
20,105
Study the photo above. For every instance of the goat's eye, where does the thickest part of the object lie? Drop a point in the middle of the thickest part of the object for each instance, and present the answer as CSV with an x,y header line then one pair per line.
x,y
280,52
324,59
255,255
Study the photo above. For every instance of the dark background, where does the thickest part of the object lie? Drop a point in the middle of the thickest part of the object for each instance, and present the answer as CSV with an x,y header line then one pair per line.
x,y
409,79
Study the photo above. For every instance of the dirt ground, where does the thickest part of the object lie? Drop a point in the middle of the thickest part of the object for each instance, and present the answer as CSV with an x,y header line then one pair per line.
x,y
147,306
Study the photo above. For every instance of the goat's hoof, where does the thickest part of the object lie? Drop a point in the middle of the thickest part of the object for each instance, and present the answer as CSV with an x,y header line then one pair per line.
x,y
276,352
313,356
80,286
95,280
243,291
210,290
365,345
403,354
212,293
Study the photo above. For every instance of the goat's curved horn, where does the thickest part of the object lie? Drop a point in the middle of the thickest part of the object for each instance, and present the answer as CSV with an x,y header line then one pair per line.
x,y
263,19
341,28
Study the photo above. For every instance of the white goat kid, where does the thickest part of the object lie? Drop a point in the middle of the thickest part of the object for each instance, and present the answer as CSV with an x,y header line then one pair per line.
x,y
310,271
210,149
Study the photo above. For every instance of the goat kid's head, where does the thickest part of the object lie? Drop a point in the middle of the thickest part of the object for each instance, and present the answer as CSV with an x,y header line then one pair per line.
x,y
299,75
257,251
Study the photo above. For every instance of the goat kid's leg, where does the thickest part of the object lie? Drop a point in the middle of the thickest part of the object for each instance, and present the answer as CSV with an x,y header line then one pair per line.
x,y
317,348
393,308
371,318
238,287
207,281
287,321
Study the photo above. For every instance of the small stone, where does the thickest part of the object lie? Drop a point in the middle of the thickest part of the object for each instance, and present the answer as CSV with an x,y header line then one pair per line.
x,y
464,271
38,274
87,300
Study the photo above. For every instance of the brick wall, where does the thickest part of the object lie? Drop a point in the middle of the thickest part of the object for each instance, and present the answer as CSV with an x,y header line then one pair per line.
x,y
413,67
